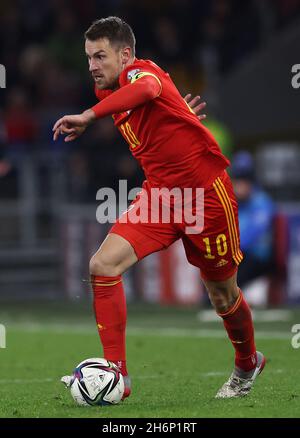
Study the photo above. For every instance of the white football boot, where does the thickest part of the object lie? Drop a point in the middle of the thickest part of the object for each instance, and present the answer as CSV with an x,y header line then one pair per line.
x,y
67,380
127,390
240,382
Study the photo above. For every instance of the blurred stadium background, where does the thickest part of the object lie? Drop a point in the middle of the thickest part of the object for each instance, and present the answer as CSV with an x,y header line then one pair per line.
x,y
238,55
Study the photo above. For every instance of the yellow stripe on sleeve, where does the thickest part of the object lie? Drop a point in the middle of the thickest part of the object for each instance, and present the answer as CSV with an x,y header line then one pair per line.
x,y
142,74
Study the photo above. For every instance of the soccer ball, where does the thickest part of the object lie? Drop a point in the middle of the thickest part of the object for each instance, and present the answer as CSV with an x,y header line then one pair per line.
x,y
97,382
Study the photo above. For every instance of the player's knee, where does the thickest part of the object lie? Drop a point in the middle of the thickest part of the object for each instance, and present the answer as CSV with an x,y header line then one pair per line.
x,y
101,265
223,297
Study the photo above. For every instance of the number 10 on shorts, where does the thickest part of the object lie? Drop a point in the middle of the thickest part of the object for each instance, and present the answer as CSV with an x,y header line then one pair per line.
x,y
221,246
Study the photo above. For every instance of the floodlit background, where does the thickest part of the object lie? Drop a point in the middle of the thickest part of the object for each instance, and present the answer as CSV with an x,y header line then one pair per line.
x,y
239,56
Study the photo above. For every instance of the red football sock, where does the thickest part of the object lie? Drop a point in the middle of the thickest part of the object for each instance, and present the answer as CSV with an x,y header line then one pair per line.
x,y
239,326
110,312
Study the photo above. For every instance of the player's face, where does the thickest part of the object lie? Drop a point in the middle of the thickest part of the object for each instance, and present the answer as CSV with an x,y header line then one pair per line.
x,y
106,62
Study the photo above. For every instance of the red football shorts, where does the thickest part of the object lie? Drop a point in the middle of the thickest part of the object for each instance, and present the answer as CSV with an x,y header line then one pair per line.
x,y
215,250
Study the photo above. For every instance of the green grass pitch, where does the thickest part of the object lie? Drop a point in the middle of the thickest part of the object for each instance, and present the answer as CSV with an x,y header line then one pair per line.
x,y
177,364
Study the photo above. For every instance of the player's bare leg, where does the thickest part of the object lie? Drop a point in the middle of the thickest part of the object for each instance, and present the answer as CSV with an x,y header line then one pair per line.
x,y
230,305
222,294
113,258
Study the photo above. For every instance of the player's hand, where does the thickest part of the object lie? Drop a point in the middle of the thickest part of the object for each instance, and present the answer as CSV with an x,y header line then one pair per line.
x,y
73,126
196,105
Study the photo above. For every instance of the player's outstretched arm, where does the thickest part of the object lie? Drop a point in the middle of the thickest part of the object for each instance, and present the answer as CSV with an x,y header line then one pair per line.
x,y
195,104
73,125
129,96
126,98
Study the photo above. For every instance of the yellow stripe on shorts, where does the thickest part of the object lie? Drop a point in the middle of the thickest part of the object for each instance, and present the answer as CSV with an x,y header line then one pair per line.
x,y
232,229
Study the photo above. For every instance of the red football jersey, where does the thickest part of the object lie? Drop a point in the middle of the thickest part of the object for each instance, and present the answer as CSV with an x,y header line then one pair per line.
x,y
165,136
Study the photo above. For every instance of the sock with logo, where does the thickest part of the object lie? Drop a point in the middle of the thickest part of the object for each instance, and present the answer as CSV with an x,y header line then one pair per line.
x,y
110,312
239,326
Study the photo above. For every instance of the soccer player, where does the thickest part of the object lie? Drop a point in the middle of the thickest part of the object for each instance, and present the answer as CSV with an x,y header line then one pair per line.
x,y
175,151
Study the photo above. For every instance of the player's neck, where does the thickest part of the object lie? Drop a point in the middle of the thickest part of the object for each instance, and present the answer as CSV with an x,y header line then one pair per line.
x,y
129,62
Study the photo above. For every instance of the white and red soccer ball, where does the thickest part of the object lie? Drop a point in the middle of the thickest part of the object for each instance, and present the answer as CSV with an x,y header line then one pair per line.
x,y
96,382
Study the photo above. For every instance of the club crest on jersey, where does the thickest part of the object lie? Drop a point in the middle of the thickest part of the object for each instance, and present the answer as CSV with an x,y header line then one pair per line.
x,y
132,73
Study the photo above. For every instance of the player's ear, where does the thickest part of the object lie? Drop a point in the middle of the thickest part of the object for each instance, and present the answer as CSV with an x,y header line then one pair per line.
x,y
125,54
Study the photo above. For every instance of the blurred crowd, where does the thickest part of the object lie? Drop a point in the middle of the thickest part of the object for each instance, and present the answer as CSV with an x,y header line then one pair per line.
x,y
42,48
